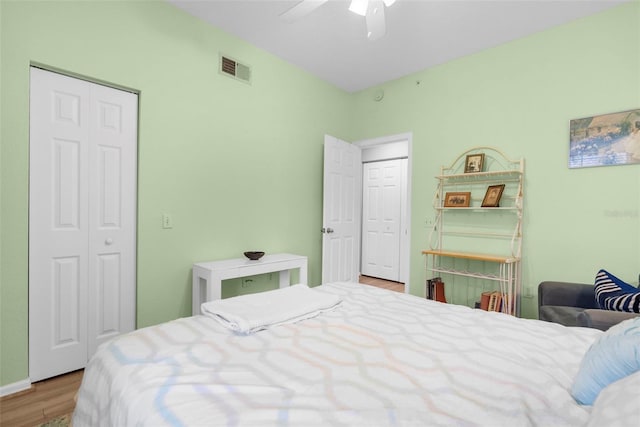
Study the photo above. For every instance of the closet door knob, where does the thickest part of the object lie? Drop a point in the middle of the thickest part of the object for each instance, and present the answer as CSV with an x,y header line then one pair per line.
x,y
108,241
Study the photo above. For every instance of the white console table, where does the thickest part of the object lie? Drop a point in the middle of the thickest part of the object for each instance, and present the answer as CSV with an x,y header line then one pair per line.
x,y
208,276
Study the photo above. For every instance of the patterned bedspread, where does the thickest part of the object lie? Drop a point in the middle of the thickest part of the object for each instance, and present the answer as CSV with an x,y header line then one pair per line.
x,y
382,358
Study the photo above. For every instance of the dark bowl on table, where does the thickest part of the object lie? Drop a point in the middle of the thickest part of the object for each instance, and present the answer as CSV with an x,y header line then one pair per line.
x,y
254,255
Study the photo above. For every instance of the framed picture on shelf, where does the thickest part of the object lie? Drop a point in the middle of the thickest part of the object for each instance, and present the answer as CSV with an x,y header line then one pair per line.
x,y
492,196
460,199
474,163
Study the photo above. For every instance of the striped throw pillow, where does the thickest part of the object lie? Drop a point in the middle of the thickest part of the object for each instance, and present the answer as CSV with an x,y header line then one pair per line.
x,y
614,294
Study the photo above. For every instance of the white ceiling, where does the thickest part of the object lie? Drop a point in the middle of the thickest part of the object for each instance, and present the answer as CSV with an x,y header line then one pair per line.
x,y
331,42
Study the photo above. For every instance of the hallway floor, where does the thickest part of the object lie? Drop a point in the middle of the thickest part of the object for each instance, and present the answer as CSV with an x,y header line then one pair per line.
x,y
381,283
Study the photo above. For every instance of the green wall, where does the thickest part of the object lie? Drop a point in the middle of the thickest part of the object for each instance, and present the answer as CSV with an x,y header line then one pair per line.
x,y
520,97
240,166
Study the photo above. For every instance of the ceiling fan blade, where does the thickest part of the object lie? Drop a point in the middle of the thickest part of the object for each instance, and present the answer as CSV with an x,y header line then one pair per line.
x,y
359,7
376,26
301,9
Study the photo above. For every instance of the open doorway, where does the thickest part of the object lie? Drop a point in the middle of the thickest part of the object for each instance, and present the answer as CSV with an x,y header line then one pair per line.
x,y
385,234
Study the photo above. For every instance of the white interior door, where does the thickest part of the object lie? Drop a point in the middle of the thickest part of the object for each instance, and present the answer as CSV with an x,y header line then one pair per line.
x,y
341,211
381,218
82,214
388,148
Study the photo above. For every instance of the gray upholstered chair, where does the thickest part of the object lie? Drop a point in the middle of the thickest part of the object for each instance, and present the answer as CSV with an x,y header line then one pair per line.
x,y
574,304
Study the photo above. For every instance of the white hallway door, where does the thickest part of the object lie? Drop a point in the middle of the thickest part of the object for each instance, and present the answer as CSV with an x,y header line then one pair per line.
x,y
383,183
82,220
342,184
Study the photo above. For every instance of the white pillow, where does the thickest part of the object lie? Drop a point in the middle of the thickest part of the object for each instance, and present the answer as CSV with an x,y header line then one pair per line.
x,y
618,405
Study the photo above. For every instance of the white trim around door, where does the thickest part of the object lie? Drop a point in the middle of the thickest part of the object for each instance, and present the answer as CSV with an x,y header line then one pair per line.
x,y
385,148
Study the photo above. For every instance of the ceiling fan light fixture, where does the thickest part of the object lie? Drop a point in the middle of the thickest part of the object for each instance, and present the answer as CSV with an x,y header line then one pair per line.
x,y
376,27
359,7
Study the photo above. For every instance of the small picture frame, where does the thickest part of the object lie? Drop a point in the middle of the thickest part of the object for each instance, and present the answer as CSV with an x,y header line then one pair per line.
x,y
460,199
474,163
492,196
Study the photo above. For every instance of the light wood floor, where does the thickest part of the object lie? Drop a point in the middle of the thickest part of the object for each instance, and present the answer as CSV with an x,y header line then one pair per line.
x,y
381,283
44,401
54,397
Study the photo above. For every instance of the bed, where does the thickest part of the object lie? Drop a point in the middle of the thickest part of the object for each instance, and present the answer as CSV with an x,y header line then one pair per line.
x,y
378,358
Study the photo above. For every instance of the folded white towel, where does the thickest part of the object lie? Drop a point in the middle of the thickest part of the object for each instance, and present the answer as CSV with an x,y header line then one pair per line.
x,y
254,312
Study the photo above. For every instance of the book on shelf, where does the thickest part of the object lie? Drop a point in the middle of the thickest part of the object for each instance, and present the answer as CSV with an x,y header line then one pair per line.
x,y
498,306
492,301
429,288
484,300
435,290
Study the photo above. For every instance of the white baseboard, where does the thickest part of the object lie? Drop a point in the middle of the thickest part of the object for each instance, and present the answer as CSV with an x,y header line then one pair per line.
x,y
8,389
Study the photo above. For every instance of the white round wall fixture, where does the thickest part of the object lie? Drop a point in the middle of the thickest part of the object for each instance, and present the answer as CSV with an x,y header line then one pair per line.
x,y
378,95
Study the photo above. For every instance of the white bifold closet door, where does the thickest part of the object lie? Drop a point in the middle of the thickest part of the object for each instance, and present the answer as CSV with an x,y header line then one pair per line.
x,y
82,220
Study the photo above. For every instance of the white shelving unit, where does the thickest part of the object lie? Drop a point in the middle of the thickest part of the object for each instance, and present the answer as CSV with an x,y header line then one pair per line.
x,y
482,243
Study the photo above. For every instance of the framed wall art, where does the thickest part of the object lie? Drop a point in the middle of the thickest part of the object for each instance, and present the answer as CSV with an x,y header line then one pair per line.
x,y
474,163
492,196
606,140
460,199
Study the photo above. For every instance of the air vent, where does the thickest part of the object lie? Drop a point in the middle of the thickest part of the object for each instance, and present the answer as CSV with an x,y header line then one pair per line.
x,y
232,68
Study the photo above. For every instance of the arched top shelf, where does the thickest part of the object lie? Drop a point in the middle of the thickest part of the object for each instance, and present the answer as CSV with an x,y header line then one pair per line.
x,y
495,164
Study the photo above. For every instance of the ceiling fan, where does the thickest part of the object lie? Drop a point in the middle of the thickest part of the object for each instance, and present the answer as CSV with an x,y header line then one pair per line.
x,y
372,10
